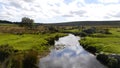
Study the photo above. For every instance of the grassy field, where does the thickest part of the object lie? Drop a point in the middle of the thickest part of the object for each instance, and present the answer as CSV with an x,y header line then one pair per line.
x,y
21,47
108,43
27,41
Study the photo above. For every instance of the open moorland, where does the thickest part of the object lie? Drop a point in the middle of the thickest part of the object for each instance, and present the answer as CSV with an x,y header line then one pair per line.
x,y
21,45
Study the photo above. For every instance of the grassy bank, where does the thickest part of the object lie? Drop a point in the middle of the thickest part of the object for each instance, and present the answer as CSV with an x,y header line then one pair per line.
x,y
29,41
24,51
22,47
108,43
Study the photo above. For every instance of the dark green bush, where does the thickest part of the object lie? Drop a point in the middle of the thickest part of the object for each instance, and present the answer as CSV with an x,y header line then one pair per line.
x,y
109,60
91,49
83,34
103,58
90,30
113,63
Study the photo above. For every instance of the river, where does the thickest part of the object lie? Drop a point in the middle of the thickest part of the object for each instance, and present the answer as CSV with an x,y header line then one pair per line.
x,y
68,53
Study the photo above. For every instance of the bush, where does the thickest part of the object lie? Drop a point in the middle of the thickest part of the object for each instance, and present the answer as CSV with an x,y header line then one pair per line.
x,y
5,52
90,30
52,29
15,61
105,31
113,63
103,58
30,59
11,58
109,60
83,34
91,49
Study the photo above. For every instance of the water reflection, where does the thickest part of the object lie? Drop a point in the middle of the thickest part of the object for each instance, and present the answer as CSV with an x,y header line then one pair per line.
x,y
69,54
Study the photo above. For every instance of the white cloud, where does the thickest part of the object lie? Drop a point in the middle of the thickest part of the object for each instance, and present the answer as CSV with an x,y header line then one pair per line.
x,y
108,1
57,10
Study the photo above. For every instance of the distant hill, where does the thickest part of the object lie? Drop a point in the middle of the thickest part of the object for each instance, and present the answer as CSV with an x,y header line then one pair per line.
x,y
5,22
74,23
87,23
9,22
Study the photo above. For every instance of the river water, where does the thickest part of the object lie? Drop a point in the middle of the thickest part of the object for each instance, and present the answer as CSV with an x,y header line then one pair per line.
x,y
69,54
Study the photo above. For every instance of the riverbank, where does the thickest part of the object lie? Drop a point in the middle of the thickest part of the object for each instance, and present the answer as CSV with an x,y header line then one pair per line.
x,y
105,46
24,51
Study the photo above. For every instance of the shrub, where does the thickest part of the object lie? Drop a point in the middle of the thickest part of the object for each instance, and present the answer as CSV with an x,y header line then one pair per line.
x,y
113,63
15,61
109,60
5,52
105,31
103,58
83,34
90,30
30,59
91,49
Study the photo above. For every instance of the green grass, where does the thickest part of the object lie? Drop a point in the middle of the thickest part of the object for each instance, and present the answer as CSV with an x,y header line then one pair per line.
x,y
26,41
73,30
108,43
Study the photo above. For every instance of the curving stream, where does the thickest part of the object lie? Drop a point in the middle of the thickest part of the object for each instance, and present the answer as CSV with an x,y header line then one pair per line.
x,y
69,54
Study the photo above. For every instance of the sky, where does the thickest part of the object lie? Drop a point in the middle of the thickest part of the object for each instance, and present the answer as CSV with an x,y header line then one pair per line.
x,y
55,11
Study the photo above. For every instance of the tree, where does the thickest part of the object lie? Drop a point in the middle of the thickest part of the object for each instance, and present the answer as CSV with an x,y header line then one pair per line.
x,y
27,22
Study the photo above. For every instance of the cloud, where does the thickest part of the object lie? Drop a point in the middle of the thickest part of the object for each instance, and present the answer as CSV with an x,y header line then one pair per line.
x,y
109,1
69,15
59,10
79,13
29,0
